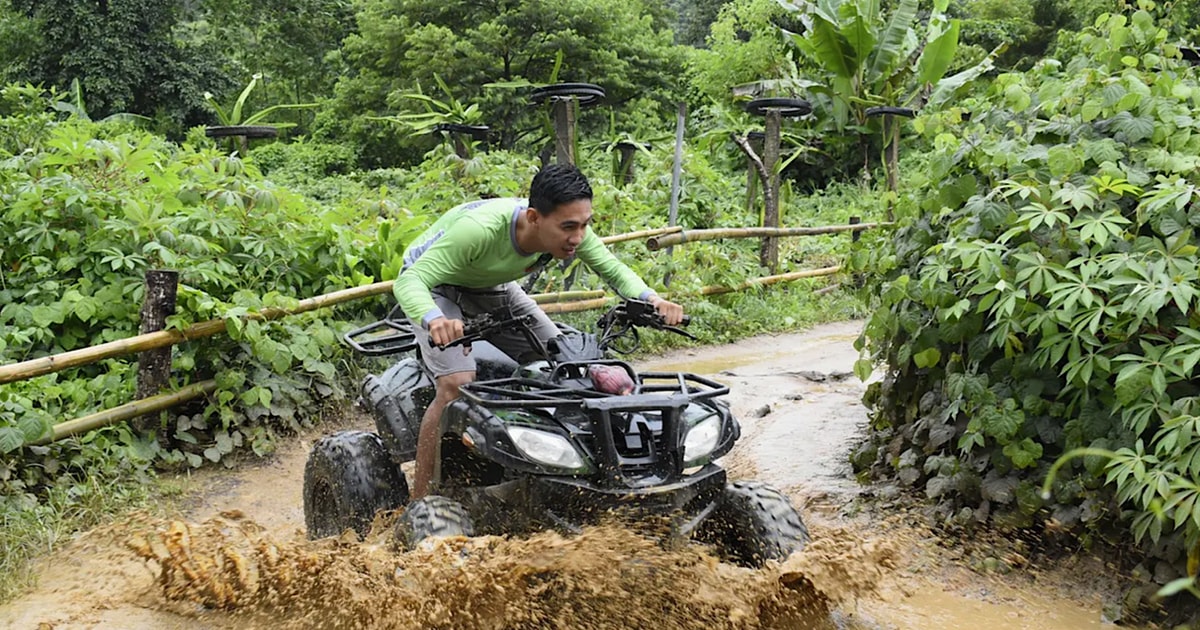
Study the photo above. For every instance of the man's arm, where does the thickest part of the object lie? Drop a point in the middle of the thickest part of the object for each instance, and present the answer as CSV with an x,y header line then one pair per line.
x,y
622,279
440,264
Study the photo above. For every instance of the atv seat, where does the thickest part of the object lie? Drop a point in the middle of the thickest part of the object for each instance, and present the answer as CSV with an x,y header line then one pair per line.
x,y
491,362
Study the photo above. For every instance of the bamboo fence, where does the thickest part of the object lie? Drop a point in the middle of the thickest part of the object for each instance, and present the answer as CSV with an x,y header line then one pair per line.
x,y
688,236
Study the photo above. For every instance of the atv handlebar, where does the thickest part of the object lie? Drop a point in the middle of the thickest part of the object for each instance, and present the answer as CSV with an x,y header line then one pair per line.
x,y
620,321
482,327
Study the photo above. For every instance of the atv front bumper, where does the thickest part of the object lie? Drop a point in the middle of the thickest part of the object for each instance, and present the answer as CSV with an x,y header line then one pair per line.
x,y
571,502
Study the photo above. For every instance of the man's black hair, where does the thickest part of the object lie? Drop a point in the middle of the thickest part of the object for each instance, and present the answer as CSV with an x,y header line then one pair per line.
x,y
555,185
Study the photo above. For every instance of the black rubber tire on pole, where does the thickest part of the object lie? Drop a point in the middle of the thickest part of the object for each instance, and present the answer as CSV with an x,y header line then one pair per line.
x,y
788,107
249,131
587,93
885,110
478,132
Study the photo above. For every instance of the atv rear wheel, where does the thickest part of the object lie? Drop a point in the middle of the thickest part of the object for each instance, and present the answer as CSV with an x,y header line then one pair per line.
x,y
754,523
347,479
430,517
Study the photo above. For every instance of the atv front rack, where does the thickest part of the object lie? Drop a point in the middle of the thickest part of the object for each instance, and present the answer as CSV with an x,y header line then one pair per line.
x,y
652,390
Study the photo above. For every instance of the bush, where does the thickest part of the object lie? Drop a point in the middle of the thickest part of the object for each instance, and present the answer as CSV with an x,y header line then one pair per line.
x,y
1043,294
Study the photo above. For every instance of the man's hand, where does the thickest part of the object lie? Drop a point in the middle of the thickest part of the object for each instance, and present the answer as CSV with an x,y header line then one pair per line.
x,y
442,330
671,312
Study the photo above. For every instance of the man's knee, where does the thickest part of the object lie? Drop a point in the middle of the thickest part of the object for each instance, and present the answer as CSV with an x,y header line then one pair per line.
x,y
448,385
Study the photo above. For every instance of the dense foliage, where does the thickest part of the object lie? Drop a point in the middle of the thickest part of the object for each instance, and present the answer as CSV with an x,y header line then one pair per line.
x,y
1042,296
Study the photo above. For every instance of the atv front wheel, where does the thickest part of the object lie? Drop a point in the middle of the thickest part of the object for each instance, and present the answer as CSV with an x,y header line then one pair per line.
x,y
754,523
347,479
432,516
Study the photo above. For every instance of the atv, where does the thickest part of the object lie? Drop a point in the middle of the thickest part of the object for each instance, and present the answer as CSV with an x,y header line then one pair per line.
x,y
545,445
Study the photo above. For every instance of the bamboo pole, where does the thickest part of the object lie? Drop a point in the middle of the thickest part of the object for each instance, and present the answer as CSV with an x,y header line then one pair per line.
x,y
574,307
164,338
768,280
586,305
566,296
658,242
619,238
127,411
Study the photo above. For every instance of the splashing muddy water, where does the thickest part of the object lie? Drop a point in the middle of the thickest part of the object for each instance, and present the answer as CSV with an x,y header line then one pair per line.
x,y
236,557
606,577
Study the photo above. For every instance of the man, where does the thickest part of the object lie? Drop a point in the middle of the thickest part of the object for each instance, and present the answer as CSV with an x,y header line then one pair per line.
x,y
466,264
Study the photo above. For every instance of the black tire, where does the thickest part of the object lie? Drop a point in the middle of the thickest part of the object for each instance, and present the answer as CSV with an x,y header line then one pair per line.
x,y
478,132
347,479
754,523
905,112
432,517
250,131
788,107
587,93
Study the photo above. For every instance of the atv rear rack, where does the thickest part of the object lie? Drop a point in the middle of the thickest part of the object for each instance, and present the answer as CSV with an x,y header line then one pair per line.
x,y
390,335
652,390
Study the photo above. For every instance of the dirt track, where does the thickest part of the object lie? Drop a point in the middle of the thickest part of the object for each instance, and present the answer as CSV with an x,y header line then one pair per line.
x,y
801,414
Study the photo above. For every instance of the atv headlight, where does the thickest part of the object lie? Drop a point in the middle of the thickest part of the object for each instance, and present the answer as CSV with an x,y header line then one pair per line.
x,y
701,439
546,448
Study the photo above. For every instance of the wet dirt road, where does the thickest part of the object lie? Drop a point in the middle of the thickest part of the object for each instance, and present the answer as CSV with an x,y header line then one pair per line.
x,y
236,557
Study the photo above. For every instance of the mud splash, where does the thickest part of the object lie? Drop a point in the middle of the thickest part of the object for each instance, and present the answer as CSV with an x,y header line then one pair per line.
x,y
607,577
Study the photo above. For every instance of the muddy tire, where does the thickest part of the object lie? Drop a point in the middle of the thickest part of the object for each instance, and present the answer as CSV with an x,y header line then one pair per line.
x,y
754,523
347,479
432,517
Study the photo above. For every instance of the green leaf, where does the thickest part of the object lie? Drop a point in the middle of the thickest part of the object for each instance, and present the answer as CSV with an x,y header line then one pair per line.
x,y
11,439
927,358
1091,110
863,369
887,53
33,426
938,55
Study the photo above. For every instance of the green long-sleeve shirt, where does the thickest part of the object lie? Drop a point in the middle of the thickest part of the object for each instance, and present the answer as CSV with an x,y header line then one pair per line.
x,y
474,245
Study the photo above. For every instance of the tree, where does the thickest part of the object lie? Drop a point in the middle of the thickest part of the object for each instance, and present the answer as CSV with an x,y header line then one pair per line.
x,y
694,19
744,46
623,45
124,54
293,44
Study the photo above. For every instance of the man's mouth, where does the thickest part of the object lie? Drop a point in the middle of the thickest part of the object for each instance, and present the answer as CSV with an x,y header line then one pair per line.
x,y
570,251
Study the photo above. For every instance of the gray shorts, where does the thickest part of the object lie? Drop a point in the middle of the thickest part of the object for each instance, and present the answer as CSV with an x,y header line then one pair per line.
x,y
463,303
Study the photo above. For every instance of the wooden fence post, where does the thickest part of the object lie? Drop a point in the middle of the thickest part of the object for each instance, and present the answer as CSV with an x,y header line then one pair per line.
x,y
676,177
854,236
154,366
769,252
564,131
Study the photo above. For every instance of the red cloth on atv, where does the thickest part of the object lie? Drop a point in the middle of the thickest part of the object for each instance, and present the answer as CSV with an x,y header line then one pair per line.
x,y
611,379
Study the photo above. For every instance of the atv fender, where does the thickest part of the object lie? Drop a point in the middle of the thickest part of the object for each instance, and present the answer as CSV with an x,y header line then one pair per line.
x,y
397,399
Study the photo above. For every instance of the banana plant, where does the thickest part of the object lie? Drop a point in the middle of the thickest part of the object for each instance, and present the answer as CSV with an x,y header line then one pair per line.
x,y
234,116
72,103
869,58
437,114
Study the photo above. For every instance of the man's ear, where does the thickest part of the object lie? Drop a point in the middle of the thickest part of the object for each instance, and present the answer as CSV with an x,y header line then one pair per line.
x,y
532,216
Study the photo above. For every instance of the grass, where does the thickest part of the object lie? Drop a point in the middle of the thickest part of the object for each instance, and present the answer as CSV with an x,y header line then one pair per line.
x,y
31,528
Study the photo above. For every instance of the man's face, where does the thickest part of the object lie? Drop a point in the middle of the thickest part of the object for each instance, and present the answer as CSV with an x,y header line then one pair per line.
x,y
561,232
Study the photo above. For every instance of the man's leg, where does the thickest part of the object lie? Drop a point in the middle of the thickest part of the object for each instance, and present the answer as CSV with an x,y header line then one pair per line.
x,y
512,341
430,434
451,369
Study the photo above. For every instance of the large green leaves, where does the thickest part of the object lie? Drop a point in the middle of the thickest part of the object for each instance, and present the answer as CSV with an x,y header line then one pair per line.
x,y
1067,284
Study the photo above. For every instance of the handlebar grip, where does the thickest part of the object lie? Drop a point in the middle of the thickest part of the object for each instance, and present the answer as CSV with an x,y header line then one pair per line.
x,y
687,320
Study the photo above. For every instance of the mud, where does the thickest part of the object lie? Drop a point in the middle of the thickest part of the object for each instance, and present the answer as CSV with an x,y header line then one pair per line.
x,y
236,557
